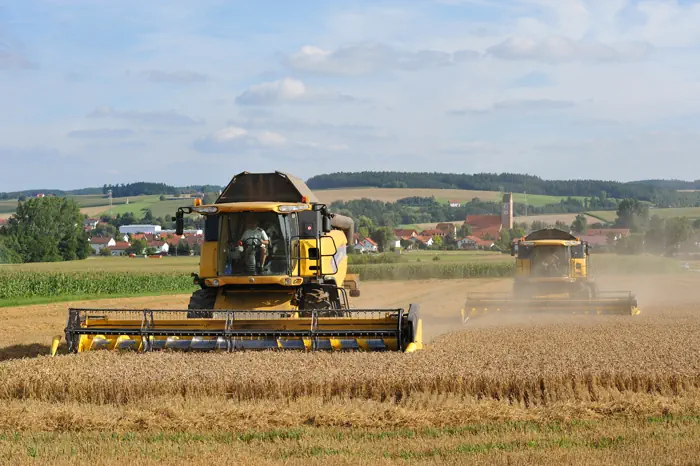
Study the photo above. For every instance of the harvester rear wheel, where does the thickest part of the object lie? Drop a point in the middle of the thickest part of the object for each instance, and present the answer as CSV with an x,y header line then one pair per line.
x,y
202,299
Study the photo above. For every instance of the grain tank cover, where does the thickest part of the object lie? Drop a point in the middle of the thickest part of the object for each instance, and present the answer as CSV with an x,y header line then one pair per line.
x,y
550,233
266,187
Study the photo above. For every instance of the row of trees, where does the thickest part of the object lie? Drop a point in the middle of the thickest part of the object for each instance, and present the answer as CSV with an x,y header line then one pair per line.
x,y
48,229
147,188
512,182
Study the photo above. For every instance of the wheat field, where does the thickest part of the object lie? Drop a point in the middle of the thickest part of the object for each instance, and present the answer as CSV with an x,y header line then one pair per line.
x,y
545,390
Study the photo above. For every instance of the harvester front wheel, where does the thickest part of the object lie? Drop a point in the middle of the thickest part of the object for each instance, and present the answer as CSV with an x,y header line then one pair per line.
x,y
202,299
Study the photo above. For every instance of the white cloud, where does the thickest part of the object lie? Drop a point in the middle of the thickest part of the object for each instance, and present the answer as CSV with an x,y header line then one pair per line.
x,y
167,118
231,138
557,49
287,90
370,57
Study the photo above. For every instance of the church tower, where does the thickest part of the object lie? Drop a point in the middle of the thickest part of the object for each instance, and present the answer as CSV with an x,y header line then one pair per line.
x,y
507,212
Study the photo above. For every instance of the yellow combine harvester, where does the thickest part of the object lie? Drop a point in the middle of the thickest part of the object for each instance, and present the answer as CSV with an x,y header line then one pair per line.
x,y
551,275
273,275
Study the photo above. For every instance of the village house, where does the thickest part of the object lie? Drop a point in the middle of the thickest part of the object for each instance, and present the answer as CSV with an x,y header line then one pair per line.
x,y
366,245
474,243
433,232
449,228
421,240
401,233
455,203
119,249
161,247
98,243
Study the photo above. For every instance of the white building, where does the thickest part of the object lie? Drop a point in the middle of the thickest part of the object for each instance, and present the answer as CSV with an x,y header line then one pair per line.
x,y
184,232
131,229
98,243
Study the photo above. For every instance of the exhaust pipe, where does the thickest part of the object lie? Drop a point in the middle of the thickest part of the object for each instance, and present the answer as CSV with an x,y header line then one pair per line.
x,y
346,224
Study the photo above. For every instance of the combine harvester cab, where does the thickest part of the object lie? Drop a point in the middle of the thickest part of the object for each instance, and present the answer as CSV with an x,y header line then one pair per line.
x,y
551,276
273,276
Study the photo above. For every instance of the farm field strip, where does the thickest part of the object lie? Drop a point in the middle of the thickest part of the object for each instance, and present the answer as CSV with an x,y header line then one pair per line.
x,y
462,195
690,212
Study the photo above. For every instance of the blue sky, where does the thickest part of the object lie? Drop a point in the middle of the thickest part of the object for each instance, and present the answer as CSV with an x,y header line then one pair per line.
x,y
184,92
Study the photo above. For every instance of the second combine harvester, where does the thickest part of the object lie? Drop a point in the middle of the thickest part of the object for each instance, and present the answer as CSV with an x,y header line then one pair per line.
x,y
552,274
272,275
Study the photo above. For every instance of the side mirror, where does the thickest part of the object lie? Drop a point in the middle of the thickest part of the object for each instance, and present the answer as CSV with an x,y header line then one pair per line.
x,y
327,224
512,250
179,223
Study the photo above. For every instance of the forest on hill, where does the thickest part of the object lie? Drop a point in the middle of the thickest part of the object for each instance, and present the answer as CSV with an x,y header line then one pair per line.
x,y
508,182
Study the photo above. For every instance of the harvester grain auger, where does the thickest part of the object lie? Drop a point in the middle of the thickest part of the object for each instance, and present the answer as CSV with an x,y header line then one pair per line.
x,y
273,276
551,276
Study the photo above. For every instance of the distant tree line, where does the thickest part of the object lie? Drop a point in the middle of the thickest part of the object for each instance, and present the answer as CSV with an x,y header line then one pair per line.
x,y
118,190
138,189
508,182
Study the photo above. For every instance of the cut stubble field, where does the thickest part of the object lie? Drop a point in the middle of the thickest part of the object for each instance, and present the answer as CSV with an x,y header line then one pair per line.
x,y
498,390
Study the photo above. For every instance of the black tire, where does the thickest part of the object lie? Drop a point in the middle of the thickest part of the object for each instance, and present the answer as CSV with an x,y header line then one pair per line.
x,y
202,299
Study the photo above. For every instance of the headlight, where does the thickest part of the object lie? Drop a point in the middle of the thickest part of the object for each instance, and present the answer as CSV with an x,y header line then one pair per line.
x,y
292,208
215,282
206,210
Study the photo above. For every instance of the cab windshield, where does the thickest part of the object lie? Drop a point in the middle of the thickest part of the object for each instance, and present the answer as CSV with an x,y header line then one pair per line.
x,y
255,243
550,261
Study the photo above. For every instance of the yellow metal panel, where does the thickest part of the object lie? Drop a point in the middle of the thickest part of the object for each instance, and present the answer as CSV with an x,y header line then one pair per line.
x,y
257,206
266,301
522,267
259,280
208,259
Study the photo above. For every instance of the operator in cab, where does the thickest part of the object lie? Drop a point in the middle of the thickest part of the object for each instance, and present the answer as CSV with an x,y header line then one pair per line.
x,y
253,231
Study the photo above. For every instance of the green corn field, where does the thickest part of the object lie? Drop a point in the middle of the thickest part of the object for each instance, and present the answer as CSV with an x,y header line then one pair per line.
x,y
27,285
432,270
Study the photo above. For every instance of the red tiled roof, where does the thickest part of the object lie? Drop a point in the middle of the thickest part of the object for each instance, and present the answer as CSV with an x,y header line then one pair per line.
x,y
3,221
432,232
480,241
121,245
405,232
483,221
146,236
369,240
494,232
100,240
422,239
192,240
174,240
155,244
